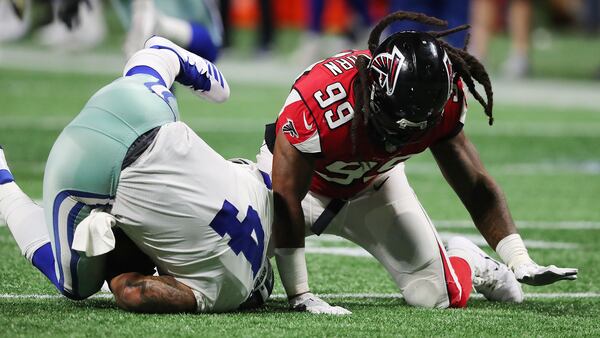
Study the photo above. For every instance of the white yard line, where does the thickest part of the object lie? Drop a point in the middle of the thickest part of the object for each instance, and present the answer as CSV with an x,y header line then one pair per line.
x,y
474,295
54,296
327,295
205,123
313,247
336,251
556,225
590,167
314,243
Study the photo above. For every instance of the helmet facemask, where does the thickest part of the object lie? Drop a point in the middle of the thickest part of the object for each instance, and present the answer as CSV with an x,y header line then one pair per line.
x,y
399,128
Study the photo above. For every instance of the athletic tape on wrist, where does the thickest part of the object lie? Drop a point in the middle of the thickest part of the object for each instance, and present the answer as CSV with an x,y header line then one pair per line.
x,y
291,263
513,252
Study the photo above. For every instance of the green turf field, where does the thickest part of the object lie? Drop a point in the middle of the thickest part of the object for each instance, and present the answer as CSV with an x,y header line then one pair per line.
x,y
547,159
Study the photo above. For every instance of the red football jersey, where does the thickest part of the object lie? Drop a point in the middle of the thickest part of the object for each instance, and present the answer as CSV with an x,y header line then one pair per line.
x,y
317,119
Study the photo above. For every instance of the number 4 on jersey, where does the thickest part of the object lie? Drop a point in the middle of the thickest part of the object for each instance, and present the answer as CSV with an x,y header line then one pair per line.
x,y
241,233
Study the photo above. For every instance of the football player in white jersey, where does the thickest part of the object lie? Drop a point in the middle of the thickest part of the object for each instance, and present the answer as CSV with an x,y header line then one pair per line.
x,y
126,161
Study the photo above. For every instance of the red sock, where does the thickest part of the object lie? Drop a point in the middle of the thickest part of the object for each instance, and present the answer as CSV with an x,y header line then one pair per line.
x,y
463,274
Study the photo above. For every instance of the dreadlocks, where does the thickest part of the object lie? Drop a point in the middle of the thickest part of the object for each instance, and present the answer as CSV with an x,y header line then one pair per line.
x,y
465,65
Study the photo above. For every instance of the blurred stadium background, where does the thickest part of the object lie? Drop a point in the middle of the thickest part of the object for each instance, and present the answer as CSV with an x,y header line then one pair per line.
x,y
544,150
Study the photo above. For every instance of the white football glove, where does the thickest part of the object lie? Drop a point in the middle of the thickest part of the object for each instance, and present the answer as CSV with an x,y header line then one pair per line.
x,y
310,303
513,252
533,274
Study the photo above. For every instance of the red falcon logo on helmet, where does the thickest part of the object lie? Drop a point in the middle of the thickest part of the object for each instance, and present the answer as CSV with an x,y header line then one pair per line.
x,y
388,67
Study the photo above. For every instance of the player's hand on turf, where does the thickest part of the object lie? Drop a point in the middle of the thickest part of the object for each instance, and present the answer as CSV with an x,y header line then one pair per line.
x,y
310,303
533,274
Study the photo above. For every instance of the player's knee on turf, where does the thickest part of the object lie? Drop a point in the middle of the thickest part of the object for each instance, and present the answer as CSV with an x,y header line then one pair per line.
x,y
425,293
90,274
71,296
79,295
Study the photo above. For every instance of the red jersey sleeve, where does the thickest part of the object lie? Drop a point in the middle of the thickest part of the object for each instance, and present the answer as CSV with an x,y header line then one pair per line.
x,y
298,124
320,106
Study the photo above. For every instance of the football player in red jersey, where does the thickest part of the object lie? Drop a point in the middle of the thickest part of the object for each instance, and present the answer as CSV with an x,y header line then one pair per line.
x,y
340,142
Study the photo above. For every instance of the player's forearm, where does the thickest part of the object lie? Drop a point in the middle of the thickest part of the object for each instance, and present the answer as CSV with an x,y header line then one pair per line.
x,y
460,163
152,294
288,224
288,232
291,177
292,173
489,210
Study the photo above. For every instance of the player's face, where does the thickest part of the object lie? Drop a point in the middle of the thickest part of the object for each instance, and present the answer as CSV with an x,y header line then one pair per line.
x,y
389,129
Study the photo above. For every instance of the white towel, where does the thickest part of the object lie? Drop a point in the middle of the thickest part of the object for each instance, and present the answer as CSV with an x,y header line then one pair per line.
x,y
94,235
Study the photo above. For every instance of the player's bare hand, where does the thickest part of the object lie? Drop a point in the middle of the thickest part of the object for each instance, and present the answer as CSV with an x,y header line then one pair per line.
x,y
534,274
310,303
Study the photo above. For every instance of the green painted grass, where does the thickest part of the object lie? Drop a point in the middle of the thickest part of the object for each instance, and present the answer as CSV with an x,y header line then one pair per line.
x,y
536,154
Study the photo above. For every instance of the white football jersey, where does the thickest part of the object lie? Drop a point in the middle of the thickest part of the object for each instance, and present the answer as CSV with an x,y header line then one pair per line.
x,y
202,219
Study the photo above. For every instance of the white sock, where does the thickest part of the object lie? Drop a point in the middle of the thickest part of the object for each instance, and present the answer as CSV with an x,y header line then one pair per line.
x,y
163,61
25,219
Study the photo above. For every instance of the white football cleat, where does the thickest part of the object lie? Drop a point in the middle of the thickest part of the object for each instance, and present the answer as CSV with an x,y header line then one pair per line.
x,y
195,72
494,280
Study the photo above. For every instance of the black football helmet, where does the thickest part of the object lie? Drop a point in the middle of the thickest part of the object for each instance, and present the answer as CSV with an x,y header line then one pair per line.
x,y
263,287
410,78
